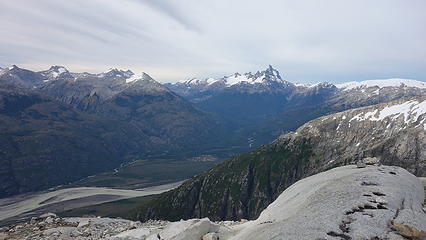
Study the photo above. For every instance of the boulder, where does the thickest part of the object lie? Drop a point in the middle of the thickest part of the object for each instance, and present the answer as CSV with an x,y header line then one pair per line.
x,y
361,164
49,220
193,229
371,160
211,236
46,215
83,223
134,234
3,236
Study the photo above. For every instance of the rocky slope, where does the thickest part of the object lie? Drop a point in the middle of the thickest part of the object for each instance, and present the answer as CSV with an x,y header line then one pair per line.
x,y
58,126
391,133
375,202
46,143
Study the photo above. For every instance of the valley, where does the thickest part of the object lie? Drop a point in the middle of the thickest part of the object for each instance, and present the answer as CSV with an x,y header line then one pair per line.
x,y
158,169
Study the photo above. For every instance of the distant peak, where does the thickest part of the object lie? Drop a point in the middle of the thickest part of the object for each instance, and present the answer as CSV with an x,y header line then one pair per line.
x,y
137,77
272,72
315,85
13,67
145,76
59,69
269,76
114,72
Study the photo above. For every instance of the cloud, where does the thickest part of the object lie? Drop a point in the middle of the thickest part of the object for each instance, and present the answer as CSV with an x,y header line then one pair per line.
x,y
306,40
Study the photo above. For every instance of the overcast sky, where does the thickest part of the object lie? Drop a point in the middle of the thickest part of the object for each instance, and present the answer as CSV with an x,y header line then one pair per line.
x,y
307,41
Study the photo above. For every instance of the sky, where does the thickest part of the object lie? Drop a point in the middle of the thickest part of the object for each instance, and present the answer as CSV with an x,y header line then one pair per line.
x,y
306,40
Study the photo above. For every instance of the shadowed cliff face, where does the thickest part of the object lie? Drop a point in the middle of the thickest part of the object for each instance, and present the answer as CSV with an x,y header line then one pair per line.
x,y
243,186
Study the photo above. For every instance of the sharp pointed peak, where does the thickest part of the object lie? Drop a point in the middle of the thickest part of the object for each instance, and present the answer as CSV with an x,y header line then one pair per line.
x,y
13,67
270,67
146,76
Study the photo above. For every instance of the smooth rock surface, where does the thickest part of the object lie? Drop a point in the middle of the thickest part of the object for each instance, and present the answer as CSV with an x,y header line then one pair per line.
x,y
343,203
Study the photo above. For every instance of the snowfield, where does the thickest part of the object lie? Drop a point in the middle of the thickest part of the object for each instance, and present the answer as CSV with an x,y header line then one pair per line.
x,y
410,110
381,83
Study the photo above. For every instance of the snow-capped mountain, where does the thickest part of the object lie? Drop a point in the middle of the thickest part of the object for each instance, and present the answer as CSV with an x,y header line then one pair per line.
x,y
116,73
265,100
84,90
55,72
268,80
18,76
382,83
112,78
65,126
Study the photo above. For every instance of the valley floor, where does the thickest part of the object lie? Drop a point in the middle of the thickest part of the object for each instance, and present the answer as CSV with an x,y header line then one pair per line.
x,y
23,207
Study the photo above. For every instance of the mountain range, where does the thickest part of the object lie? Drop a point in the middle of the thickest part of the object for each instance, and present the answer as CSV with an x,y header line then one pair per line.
x,y
261,106
58,126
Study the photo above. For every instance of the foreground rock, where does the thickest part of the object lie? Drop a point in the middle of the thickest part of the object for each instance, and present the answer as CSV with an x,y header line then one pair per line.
x,y
344,203
374,202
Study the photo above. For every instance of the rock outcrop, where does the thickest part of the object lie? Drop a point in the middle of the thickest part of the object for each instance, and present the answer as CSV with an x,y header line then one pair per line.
x,y
376,202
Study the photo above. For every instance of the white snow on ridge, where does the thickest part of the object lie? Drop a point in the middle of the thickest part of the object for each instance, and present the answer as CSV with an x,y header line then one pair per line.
x,y
381,83
61,70
238,78
196,81
133,78
411,110
313,85
228,80
211,80
259,77
54,74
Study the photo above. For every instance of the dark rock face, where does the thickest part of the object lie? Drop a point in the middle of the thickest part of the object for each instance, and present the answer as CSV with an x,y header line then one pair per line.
x,y
45,143
57,126
244,185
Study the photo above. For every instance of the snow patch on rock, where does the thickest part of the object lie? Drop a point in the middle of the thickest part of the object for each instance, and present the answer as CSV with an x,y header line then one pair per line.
x,y
410,110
